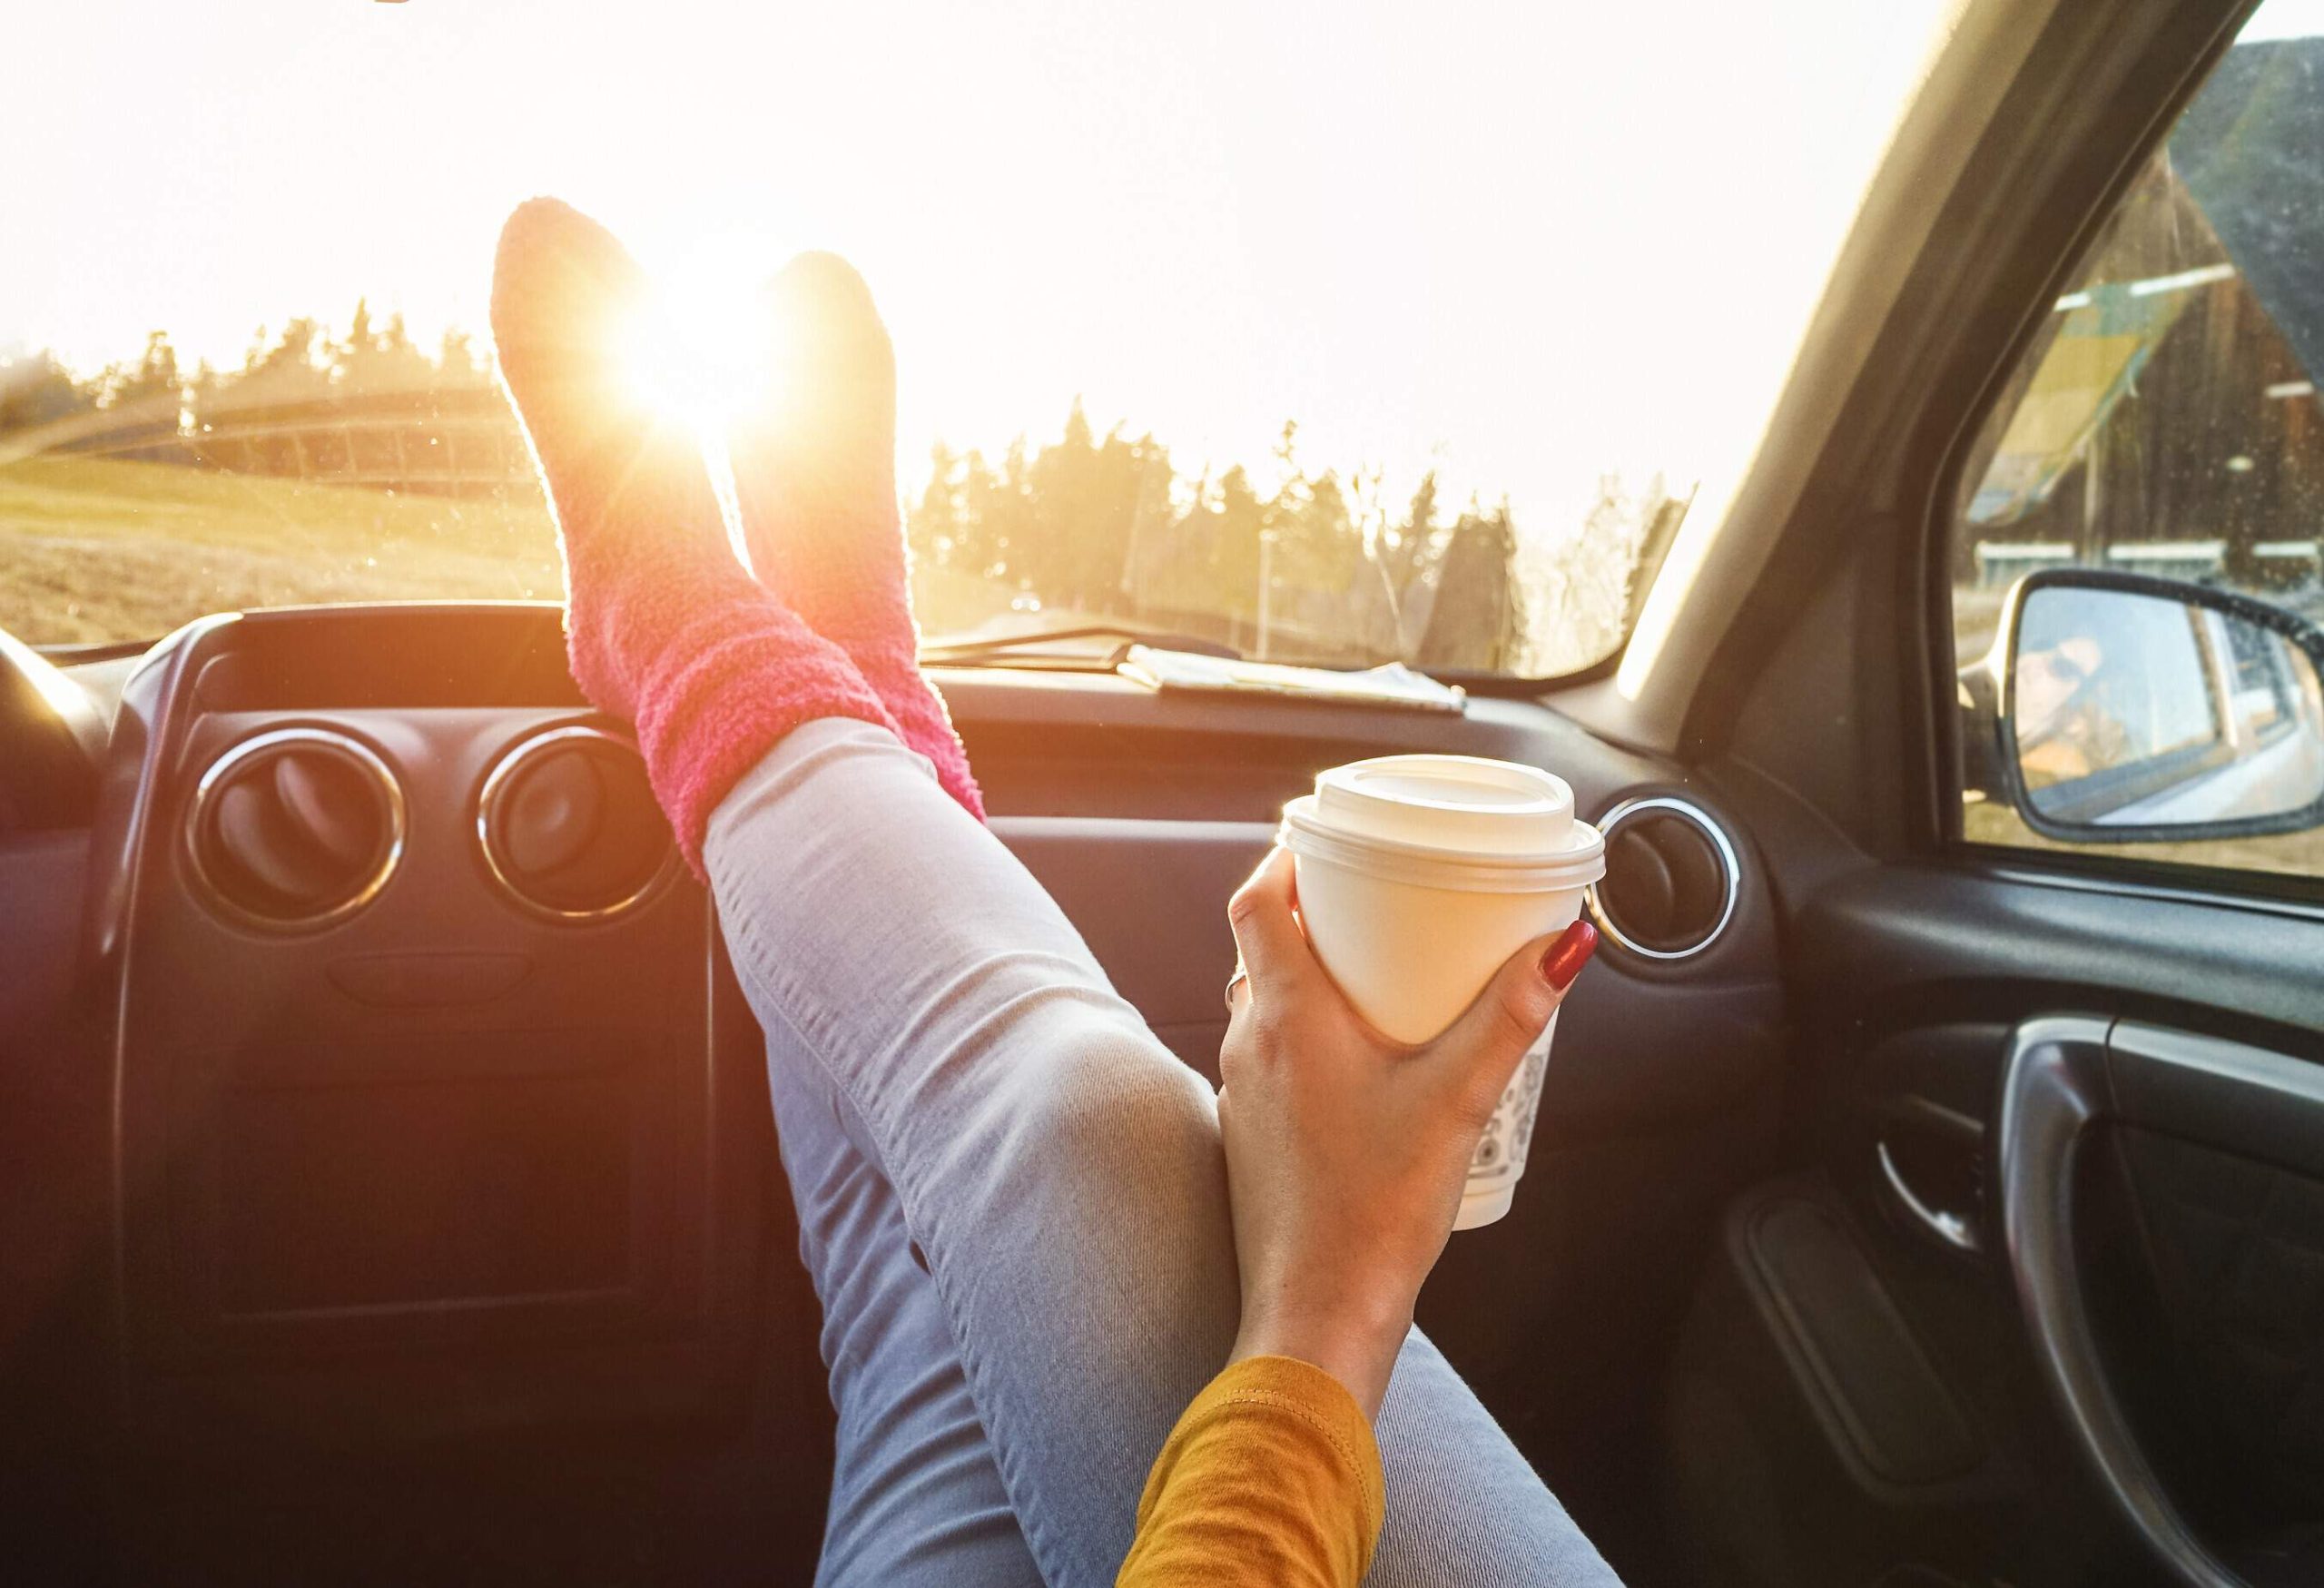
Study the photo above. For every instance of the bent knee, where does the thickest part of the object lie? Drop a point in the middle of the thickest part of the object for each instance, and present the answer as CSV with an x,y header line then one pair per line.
x,y
1123,1094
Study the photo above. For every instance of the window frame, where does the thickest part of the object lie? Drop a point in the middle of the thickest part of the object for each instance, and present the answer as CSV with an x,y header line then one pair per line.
x,y
1936,661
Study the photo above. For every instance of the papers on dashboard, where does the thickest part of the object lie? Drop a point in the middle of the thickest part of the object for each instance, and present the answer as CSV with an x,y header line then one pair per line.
x,y
1394,684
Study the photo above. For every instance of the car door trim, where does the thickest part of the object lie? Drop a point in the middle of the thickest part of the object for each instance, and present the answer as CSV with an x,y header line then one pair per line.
x,y
2005,864
2064,1073
2262,1104
1948,1229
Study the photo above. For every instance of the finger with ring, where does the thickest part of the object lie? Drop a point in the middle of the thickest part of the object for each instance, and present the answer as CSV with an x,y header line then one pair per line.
x,y
1241,978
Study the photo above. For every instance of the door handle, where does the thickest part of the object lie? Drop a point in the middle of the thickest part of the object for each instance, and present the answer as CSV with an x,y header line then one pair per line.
x,y
2060,1077
1950,1229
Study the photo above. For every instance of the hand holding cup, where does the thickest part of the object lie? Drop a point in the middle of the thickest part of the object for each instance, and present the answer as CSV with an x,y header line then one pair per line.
x,y
1348,1150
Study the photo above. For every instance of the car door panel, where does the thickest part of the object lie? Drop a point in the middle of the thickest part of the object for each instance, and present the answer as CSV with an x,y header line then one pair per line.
x,y
1912,978
1996,937
53,1121
2220,1146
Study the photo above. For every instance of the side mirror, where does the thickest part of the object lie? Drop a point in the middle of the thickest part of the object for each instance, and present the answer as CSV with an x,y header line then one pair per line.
x,y
2142,710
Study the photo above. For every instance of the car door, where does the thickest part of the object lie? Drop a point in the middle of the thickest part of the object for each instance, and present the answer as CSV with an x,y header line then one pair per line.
x,y
2038,1293
52,1113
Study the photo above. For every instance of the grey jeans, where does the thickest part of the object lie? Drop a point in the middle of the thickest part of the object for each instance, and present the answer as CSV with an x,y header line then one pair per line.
x,y
1013,1203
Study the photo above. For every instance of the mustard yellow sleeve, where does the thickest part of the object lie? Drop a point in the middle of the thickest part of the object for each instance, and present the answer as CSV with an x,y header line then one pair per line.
x,y
1272,1476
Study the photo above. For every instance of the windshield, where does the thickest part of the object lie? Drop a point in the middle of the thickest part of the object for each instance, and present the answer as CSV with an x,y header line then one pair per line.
x,y
1334,335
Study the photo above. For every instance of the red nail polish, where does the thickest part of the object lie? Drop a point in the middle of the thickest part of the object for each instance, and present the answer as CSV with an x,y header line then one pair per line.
x,y
1565,958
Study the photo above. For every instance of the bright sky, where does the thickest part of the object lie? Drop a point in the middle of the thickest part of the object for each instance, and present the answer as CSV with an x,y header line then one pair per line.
x,y
1534,241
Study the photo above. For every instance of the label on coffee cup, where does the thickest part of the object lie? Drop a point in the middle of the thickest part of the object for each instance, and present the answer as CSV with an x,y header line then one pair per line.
x,y
1508,1137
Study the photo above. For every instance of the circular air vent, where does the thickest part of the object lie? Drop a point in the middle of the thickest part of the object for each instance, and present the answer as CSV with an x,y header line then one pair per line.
x,y
294,830
569,827
1670,882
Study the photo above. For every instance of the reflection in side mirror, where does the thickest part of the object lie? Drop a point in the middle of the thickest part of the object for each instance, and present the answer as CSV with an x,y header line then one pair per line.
x,y
2140,710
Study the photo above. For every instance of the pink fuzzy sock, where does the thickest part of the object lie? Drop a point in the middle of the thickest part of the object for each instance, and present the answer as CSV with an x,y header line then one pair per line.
x,y
815,475
663,625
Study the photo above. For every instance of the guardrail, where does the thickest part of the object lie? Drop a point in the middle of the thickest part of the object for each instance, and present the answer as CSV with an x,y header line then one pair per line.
x,y
457,441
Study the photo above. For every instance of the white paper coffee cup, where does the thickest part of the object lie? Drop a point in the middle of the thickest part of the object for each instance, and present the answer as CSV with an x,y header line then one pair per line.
x,y
1419,876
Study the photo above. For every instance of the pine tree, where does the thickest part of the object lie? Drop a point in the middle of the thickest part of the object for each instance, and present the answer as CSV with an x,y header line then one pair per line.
x,y
456,364
351,358
933,527
152,380
39,390
289,369
396,364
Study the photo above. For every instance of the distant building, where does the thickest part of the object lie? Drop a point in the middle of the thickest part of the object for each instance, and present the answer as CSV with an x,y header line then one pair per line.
x,y
2170,421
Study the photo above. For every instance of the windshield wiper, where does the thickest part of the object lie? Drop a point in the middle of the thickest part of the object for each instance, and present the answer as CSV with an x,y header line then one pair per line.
x,y
1031,648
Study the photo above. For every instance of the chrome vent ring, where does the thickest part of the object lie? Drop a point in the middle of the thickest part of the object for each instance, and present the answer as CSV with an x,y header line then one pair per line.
x,y
1673,877
569,829
294,830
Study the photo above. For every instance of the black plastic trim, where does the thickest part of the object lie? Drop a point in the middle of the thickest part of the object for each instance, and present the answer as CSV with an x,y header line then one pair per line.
x,y
2064,1074
2262,893
2262,1104
52,742
1873,1387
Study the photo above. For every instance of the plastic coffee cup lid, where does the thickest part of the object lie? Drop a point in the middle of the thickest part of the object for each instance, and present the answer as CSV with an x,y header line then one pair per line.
x,y
1458,822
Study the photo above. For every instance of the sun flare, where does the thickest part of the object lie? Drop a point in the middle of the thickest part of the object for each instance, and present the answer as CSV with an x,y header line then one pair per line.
x,y
701,350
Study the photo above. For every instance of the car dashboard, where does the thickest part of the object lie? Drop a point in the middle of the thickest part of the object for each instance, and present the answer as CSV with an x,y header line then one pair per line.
x,y
435,1112
387,1097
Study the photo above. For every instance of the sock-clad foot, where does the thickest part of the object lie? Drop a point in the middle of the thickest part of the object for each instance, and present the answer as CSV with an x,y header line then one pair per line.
x,y
815,476
663,625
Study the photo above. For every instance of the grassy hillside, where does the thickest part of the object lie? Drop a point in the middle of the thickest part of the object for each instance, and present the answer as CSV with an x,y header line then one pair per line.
x,y
95,550
98,551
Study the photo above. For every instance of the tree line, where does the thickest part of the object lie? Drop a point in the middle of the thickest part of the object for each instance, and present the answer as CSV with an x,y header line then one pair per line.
x,y
303,361
1291,561
1318,564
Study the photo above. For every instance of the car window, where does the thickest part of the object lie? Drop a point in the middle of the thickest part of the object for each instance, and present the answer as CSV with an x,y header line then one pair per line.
x,y
1383,336
2165,432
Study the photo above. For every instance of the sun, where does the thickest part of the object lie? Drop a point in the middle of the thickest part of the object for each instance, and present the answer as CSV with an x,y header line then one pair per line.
x,y
700,348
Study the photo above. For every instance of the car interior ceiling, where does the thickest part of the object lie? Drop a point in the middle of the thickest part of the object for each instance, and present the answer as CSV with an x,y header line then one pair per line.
x,y
452,1242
